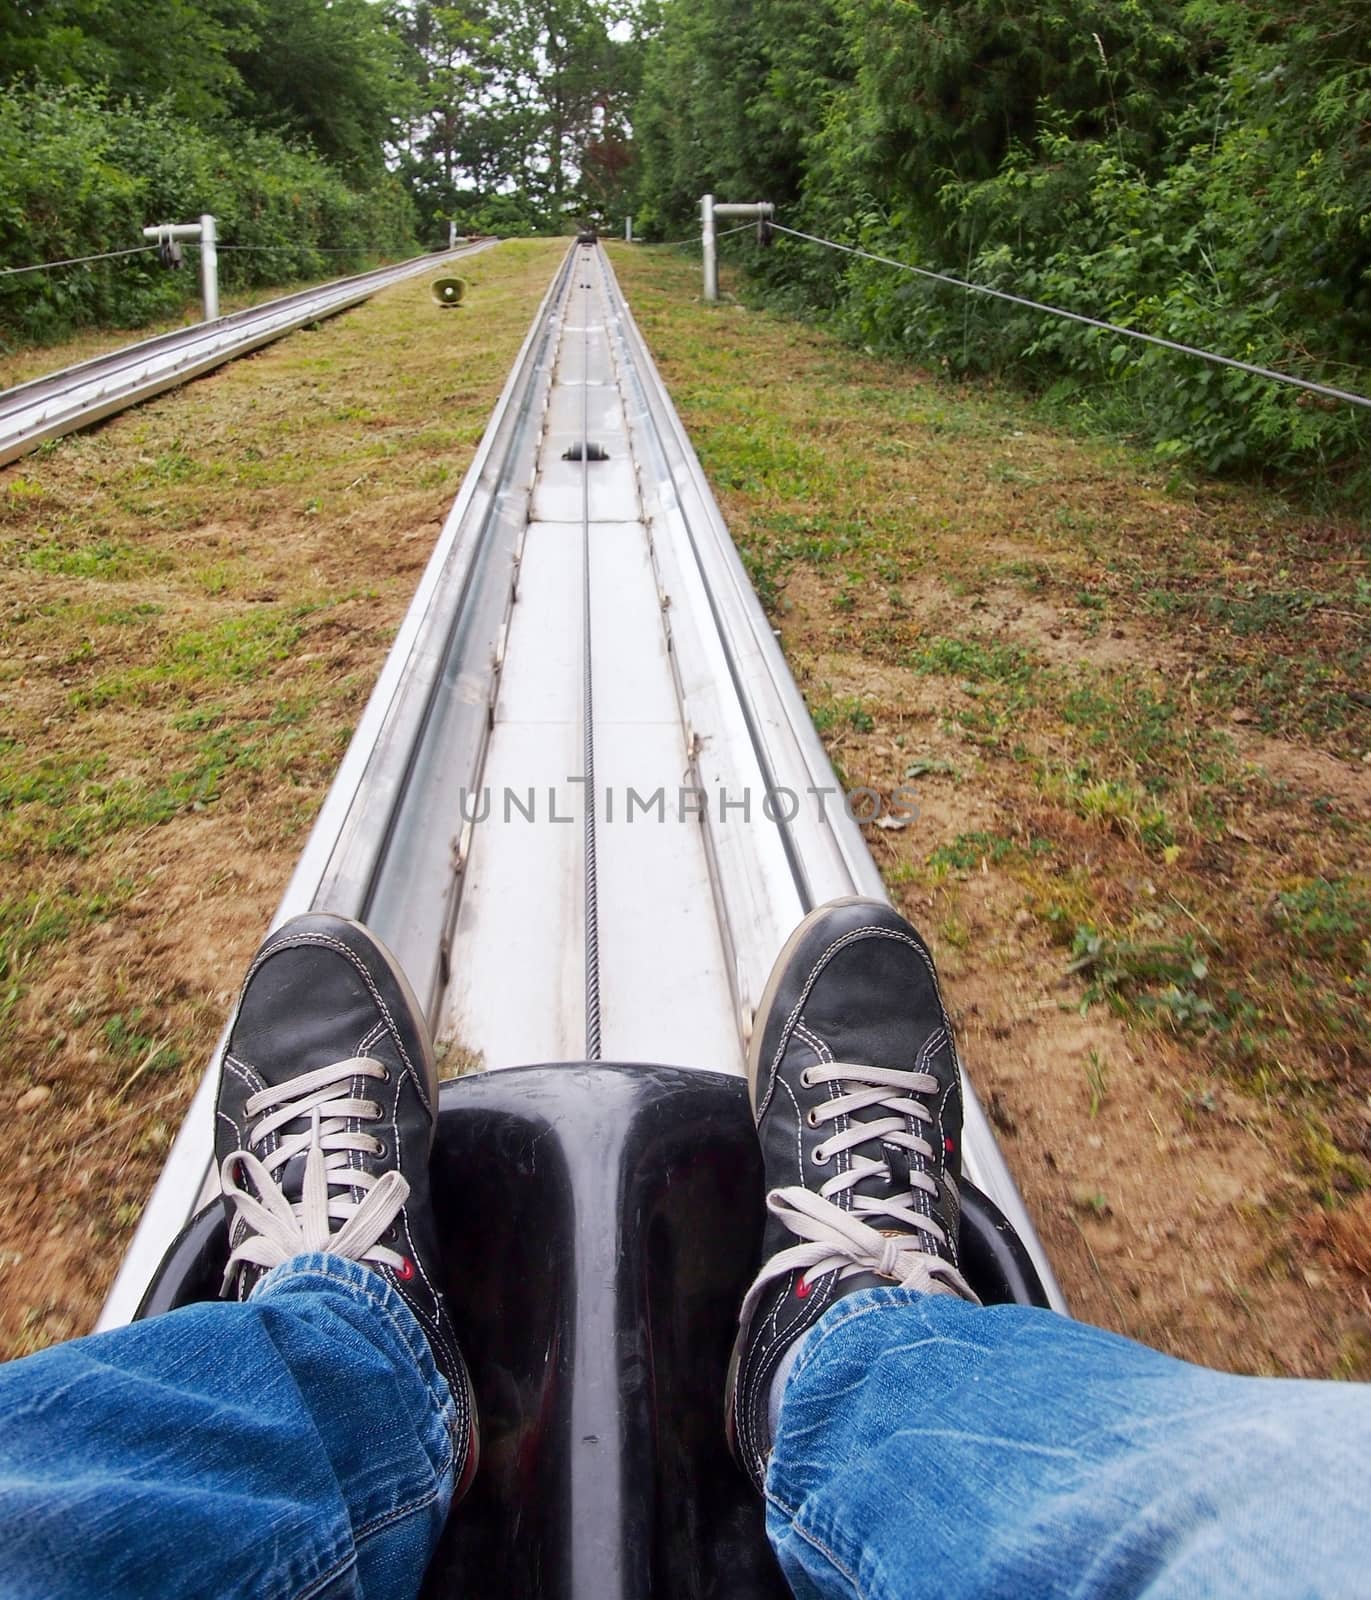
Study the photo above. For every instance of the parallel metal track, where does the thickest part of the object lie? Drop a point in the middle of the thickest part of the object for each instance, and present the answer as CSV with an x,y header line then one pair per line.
x,y
585,637
78,396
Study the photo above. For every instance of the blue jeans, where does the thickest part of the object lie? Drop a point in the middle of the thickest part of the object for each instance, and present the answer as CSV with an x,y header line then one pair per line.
x,y
929,1447
299,1445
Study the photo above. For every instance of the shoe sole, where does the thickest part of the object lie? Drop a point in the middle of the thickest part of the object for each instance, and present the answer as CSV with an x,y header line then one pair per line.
x,y
779,970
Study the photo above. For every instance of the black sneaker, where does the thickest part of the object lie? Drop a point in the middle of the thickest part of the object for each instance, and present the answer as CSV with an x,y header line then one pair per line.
x,y
857,1095
325,1124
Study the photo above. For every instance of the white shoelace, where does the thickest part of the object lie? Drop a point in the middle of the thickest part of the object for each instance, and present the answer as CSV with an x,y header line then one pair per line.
x,y
279,1229
849,1241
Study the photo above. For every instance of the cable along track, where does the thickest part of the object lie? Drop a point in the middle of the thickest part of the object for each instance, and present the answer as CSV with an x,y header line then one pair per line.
x,y
75,397
585,805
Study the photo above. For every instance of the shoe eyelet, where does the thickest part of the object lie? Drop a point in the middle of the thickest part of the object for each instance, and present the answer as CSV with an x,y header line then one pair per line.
x,y
802,1289
812,1119
405,1271
385,1075
821,1156
382,1151
806,1082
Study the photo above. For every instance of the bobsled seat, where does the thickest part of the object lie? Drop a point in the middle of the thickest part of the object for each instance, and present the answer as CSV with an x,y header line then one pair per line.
x,y
601,1226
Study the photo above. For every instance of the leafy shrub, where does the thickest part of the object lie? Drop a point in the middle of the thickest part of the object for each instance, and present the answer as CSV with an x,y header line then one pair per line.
x,y
78,177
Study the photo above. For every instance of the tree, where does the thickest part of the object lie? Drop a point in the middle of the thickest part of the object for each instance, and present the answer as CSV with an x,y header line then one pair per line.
x,y
526,97
179,51
329,71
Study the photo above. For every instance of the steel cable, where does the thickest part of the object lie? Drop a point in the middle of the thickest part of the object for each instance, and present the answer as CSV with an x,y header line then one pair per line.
x,y
76,261
1309,384
592,891
695,238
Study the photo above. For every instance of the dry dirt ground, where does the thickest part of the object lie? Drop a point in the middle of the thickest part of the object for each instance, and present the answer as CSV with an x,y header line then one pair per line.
x,y
1134,711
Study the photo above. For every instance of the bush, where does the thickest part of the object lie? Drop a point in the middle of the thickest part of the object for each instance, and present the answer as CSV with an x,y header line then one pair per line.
x,y
78,177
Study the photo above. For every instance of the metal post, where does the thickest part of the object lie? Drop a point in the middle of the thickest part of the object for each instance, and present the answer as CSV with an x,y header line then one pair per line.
x,y
206,235
209,267
452,233
710,212
628,230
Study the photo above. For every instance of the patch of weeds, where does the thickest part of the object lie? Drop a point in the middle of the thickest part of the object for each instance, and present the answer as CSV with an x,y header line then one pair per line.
x,y
1032,576
172,466
968,850
1330,917
764,568
1126,809
1248,609
239,648
1335,1174
128,1041
109,559
198,718
753,458
54,781
849,711
128,616
1287,693
1154,977
973,660
1149,731
213,580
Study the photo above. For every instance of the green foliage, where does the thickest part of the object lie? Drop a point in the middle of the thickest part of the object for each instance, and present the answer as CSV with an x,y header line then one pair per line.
x,y
1193,169
1329,918
327,71
78,176
1165,978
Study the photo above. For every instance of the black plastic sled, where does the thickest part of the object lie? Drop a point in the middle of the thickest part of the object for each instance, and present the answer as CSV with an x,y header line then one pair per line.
x,y
601,1225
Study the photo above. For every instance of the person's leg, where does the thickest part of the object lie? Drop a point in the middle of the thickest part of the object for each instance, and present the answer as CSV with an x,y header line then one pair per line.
x,y
307,1439
911,1442
298,1444
926,1446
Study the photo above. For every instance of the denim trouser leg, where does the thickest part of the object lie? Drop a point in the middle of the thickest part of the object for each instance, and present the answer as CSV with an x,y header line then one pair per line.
x,y
294,1445
928,1447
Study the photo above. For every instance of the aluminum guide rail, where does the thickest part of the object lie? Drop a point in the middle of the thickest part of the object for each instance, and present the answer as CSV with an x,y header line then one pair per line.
x,y
586,803
78,396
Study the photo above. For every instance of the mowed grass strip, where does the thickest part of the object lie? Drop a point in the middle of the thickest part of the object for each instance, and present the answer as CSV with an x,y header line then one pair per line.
x,y
195,599
1135,708
25,362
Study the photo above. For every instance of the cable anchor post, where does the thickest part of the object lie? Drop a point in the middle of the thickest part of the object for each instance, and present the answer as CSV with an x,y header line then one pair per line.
x,y
205,233
759,211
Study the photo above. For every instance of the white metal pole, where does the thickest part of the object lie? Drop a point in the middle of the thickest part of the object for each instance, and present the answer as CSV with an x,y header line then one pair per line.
x,y
209,267
628,230
709,248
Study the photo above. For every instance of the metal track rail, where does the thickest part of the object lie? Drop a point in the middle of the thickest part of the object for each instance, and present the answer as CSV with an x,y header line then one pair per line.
x,y
78,396
586,804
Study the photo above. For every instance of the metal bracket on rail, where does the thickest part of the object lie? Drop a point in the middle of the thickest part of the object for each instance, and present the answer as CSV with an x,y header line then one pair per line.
x,y
761,211
205,233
